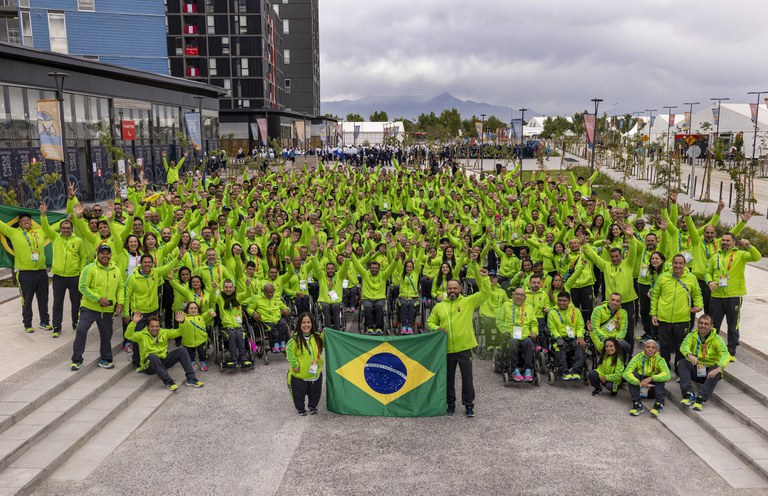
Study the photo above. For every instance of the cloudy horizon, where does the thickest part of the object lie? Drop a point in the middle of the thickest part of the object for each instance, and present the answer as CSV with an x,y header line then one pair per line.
x,y
552,57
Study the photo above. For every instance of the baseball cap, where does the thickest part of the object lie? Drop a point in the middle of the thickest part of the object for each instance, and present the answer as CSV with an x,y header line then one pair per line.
x,y
491,273
102,248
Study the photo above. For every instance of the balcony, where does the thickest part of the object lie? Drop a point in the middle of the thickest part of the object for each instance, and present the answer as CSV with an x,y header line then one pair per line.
x,y
187,8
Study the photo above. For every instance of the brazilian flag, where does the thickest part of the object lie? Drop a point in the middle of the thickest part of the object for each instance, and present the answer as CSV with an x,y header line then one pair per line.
x,y
392,376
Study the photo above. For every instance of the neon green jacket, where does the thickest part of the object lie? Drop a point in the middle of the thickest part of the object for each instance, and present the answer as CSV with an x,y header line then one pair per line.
x,y
580,274
269,309
654,366
24,244
731,265
558,322
455,316
618,278
711,352
607,324
98,281
612,373
511,316
673,298
193,332
298,356
141,290
149,345
374,287
491,305
172,173
69,254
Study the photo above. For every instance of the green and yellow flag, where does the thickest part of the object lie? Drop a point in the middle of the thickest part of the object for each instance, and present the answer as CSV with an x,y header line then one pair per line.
x,y
392,376
10,215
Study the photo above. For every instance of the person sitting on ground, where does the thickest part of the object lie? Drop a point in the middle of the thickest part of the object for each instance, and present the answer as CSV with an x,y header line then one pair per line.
x,y
646,375
608,372
194,336
153,349
706,356
305,356
566,328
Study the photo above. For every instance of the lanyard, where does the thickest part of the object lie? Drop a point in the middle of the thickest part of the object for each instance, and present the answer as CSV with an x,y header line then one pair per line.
x,y
514,314
195,325
195,297
218,270
704,347
34,235
410,279
730,261
309,344
562,320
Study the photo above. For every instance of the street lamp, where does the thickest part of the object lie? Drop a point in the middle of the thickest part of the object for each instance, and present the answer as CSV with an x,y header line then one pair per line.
x,y
594,136
757,114
200,115
717,124
650,119
58,78
522,123
482,140
669,122
690,125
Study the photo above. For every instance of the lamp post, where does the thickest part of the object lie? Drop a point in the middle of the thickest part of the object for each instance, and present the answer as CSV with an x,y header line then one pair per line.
x,y
482,140
669,122
522,132
58,78
717,124
594,136
650,119
690,125
200,114
757,115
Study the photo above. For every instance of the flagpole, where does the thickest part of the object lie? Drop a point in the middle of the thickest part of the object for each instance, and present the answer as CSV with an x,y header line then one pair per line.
x,y
757,115
59,79
594,137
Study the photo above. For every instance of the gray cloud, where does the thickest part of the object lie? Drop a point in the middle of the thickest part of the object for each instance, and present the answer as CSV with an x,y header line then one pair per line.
x,y
553,56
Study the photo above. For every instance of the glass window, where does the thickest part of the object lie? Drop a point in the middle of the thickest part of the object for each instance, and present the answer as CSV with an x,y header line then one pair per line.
x,y
211,26
87,5
287,85
286,26
287,56
228,86
277,8
26,28
244,24
212,69
244,68
225,45
24,4
57,27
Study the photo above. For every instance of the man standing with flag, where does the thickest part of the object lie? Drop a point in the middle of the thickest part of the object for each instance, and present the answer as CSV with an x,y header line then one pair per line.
x,y
453,316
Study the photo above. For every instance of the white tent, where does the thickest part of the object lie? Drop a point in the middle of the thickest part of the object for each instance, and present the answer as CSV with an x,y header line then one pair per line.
x,y
372,132
736,118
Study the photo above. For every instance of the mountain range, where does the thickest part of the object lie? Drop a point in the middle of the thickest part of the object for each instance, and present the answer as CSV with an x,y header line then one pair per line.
x,y
411,106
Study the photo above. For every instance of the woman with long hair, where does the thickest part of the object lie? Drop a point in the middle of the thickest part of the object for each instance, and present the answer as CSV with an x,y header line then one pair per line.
x,y
608,373
657,265
305,357
440,283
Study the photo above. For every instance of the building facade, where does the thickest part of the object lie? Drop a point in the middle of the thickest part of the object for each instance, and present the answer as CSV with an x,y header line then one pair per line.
x,y
123,33
301,55
98,99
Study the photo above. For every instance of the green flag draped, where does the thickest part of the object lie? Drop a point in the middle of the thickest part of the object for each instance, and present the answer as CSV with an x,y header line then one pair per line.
x,y
393,376
10,215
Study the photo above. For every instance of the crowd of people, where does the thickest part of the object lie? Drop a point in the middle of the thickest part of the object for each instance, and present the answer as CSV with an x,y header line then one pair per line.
x,y
548,267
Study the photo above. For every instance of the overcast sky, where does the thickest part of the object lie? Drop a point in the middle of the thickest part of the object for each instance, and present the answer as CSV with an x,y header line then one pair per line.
x,y
552,56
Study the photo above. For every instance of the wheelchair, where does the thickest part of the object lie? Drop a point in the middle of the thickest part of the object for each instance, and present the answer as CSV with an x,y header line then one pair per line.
x,y
386,319
419,322
256,339
590,361
320,317
502,364
219,339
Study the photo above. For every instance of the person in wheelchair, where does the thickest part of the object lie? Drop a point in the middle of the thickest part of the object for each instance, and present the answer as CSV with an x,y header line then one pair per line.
x,y
230,311
271,311
374,293
298,283
409,296
517,321
566,329
331,289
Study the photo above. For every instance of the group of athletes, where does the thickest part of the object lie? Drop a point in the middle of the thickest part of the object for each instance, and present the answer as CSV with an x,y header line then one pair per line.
x,y
529,268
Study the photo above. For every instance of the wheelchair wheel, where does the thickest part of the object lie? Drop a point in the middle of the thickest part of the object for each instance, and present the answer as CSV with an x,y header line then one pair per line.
x,y
551,377
536,378
505,378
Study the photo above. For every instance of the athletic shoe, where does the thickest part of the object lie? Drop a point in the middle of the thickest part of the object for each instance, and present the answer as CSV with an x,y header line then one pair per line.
x,y
595,392
75,366
247,363
516,376
470,411
55,334
688,399
203,366
566,377
194,383
657,409
276,348
29,330
451,411
637,409
282,346
639,338
128,348
352,309
528,377
732,358
699,404
139,370
106,365
614,393
46,327
313,411
303,413
230,365
171,386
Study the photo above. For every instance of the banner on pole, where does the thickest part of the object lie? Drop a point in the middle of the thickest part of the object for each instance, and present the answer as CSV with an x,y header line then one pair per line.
x,y
262,122
753,109
589,125
671,120
192,120
716,115
300,131
49,129
687,123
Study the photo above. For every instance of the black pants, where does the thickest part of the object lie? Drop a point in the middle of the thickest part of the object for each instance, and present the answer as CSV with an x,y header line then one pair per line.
x,y
279,330
464,360
166,303
160,366
60,286
488,327
301,389
514,352
629,306
730,310
302,303
562,357
426,287
706,295
645,311
687,373
374,313
199,352
583,299
594,380
104,322
671,336
235,344
658,391
408,308
351,296
332,315
34,284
